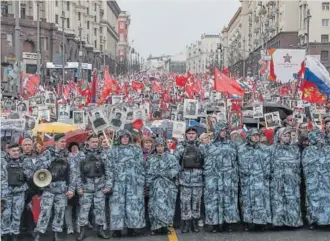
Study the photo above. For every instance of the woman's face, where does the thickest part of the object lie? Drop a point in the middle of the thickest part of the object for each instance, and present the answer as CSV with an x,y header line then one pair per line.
x,y
205,140
160,148
169,143
38,147
147,144
104,143
74,149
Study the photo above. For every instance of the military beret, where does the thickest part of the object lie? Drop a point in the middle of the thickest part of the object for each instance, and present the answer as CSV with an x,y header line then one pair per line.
x,y
13,145
57,137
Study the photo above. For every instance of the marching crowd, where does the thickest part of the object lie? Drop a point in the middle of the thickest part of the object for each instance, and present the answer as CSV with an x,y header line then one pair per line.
x,y
217,178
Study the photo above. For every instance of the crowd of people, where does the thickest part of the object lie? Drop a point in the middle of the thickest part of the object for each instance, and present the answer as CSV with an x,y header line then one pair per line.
x,y
218,179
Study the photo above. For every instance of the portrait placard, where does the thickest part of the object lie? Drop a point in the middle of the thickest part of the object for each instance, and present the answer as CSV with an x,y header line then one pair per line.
x,y
190,109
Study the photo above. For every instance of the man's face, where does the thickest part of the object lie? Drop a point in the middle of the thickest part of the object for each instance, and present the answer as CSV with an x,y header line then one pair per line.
x,y
191,135
223,133
191,105
286,138
255,138
97,115
93,143
104,143
118,116
61,144
27,146
14,152
124,139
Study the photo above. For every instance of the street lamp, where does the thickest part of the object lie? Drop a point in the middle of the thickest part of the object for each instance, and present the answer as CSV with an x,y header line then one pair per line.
x,y
17,48
308,17
80,52
38,37
104,40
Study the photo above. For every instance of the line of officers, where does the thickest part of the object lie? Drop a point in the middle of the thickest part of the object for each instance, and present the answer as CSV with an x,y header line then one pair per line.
x,y
252,183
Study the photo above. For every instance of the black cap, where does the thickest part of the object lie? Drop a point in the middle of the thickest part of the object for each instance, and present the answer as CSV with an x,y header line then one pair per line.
x,y
92,136
191,128
57,137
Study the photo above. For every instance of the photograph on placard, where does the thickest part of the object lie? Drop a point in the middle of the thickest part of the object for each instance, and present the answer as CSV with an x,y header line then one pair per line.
x,y
277,118
52,109
173,116
32,101
63,111
190,109
98,119
117,99
235,120
211,121
30,122
39,100
50,97
202,107
118,119
9,105
179,116
138,114
286,101
22,106
179,129
293,103
44,114
298,115
258,110
276,99
78,117
221,117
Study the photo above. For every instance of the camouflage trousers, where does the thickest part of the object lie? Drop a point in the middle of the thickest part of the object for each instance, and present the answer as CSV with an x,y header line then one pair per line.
x,y
190,202
48,200
12,213
86,201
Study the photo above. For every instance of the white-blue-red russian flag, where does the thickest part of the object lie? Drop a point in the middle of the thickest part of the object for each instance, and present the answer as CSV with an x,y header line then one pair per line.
x,y
316,73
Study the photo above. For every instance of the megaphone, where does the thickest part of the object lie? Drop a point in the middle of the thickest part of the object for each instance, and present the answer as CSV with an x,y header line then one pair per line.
x,y
42,178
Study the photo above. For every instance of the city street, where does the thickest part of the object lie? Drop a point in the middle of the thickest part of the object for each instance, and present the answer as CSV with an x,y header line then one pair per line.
x,y
299,235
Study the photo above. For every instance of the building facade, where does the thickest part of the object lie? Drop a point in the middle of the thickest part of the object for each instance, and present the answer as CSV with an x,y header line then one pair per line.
x,y
91,23
176,64
203,54
259,25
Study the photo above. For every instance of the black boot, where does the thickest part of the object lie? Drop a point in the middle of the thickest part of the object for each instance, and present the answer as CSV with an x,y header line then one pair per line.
x,y
81,235
100,233
116,233
186,226
195,227
131,232
166,231
36,236
14,237
56,236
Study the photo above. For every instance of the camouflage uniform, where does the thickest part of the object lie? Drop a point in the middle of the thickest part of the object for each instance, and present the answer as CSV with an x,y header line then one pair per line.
x,y
127,199
285,183
254,174
316,168
54,196
15,198
161,172
93,187
4,181
221,180
191,184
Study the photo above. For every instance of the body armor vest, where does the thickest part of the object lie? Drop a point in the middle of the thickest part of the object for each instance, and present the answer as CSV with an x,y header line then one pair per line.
x,y
92,167
15,175
59,170
192,157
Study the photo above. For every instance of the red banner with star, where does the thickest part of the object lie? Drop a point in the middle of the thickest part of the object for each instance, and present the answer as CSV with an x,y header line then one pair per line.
x,y
311,94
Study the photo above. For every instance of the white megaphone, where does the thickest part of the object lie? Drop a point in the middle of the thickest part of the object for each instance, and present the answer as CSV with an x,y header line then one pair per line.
x,y
42,178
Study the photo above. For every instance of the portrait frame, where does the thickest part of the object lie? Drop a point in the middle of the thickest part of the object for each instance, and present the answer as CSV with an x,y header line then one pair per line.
x,y
235,120
98,120
190,109
78,117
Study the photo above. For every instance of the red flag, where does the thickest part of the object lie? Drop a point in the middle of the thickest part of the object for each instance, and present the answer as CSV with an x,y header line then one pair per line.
x,y
311,94
180,80
137,124
94,84
236,105
224,84
157,87
137,85
189,87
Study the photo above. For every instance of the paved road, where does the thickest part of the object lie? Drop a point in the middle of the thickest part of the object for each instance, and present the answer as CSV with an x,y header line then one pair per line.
x,y
298,235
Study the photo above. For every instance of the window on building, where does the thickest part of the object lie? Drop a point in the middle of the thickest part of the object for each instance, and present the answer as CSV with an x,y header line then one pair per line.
x,y
10,39
88,11
56,3
87,24
46,43
326,6
325,22
95,44
95,7
101,47
23,11
95,20
122,25
79,16
324,55
324,38
95,31
101,30
56,18
121,37
87,38
4,8
68,23
68,5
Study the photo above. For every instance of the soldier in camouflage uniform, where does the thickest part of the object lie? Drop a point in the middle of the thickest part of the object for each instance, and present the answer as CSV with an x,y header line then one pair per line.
x,y
190,157
254,174
127,199
94,182
285,181
55,196
18,173
221,181
316,168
